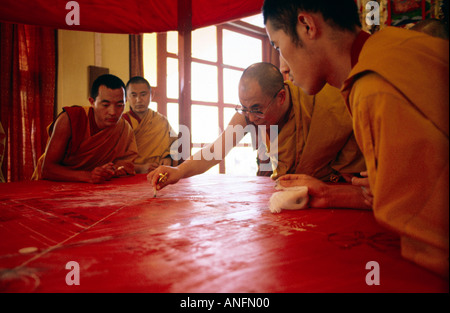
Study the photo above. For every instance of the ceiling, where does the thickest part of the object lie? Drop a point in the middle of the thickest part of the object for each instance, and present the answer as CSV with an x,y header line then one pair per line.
x,y
131,16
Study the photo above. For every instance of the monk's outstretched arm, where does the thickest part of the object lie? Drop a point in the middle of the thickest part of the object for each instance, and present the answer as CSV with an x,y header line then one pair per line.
x,y
205,158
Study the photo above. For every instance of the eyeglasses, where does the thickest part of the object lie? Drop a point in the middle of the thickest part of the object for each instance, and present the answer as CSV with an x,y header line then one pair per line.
x,y
257,113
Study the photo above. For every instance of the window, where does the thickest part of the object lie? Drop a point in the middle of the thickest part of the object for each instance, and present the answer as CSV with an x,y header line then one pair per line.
x,y
150,67
240,50
220,53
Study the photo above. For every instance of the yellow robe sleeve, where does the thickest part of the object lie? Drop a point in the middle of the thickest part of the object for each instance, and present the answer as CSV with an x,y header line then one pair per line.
x,y
153,137
317,138
407,160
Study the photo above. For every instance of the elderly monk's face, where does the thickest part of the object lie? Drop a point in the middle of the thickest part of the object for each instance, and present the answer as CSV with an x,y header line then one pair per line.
x,y
139,97
253,98
108,106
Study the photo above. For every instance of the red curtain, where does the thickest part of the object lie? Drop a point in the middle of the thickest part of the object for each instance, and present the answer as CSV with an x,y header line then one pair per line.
x,y
129,17
27,85
136,55
2,151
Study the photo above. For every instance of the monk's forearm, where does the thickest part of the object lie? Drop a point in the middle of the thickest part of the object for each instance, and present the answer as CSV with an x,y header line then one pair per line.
x,y
61,173
346,196
194,167
207,157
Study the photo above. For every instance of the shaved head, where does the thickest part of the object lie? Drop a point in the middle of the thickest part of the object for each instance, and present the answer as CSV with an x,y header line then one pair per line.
x,y
267,75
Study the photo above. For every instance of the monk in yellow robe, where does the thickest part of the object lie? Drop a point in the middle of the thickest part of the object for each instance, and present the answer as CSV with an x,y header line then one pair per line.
x,y
91,144
396,86
317,138
151,129
408,136
314,134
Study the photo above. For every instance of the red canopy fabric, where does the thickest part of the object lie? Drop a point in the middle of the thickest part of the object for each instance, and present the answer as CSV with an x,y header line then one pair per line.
x,y
130,17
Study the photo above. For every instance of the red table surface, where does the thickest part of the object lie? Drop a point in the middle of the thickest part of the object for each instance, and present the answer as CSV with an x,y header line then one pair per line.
x,y
206,234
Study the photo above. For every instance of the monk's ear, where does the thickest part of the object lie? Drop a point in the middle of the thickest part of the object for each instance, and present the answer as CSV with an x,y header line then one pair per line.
x,y
307,26
282,94
91,101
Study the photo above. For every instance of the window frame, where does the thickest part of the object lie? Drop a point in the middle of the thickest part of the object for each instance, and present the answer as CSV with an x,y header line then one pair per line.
x,y
160,91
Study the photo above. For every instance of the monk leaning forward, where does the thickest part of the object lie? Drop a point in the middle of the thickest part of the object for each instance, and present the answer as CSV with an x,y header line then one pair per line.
x,y
396,87
91,144
314,135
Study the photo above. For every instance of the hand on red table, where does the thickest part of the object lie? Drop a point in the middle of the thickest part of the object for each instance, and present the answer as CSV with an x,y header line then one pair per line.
x,y
171,176
365,186
102,173
317,189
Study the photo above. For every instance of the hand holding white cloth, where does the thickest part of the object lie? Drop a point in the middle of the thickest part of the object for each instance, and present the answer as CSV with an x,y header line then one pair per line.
x,y
289,198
